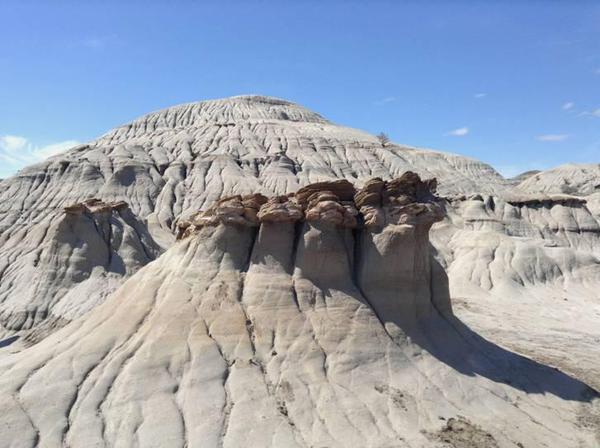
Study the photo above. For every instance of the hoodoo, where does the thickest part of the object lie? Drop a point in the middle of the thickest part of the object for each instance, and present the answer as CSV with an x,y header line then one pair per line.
x,y
300,320
86,252
243,272
374,238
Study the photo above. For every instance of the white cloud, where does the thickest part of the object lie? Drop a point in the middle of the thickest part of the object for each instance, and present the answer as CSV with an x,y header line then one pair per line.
x,y
387,99
460,132
552,137
568,105
480,95
593,113
17,152
11,143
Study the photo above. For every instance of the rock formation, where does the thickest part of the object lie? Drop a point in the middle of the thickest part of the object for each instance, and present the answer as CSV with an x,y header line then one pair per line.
x,y
581,179
66,269
168,165
313,290
272,324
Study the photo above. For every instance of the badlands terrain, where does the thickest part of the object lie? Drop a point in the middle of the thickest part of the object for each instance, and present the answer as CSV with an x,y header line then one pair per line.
x,y
243,272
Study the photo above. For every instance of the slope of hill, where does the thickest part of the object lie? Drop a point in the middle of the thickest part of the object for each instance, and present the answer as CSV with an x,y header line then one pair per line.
x,y
579,179
334,331
168,164
269,329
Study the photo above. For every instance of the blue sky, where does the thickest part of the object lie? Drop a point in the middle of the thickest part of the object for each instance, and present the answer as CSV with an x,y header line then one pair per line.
x,y
513,83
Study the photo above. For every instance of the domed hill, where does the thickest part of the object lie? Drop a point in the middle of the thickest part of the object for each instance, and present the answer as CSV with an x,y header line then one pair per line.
x,y
315,319
226,111
578,179
168,164
184,158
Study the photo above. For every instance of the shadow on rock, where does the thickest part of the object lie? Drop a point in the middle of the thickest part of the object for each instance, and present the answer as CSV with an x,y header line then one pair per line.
x,y
452,342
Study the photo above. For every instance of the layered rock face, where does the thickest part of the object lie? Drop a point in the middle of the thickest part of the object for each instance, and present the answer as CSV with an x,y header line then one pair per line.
x,y
579,179
60,272
299,301
168,165
384,247
527,259
282,322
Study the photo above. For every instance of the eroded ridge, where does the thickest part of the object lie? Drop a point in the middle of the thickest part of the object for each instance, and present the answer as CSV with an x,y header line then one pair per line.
x,y
95,205
374,239
85,253
290,321
406,200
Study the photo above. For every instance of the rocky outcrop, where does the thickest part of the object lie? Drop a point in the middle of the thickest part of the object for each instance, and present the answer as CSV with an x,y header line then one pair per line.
x,y
572,179
396,201
315,315
239,210
286,331
394,270
170,164
389,253
399,201
507,259
95,205
280,209
74,265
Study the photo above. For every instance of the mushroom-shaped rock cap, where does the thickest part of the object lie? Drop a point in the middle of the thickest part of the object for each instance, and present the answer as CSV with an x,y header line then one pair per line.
x,y
411,186
333,212
75,209
240,210
280,209
370,194
398,201
343,189
380,202
254,201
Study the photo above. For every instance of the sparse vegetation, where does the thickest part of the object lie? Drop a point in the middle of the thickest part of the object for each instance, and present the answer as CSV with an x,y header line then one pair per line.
x,y
383,139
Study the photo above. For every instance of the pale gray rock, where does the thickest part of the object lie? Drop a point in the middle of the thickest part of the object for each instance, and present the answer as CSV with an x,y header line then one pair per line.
x,y
245,335
170,164
285,313
66,266
578,179
526,274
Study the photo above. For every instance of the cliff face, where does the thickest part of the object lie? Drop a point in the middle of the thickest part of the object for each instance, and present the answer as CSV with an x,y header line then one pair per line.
x,y
375,239
314,319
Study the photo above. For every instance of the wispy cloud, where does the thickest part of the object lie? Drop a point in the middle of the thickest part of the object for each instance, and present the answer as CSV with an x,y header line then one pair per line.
x,y
98,42
591,113
387,99
480,95
568,105
460,132
12,143
17,152
552,137
597,71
